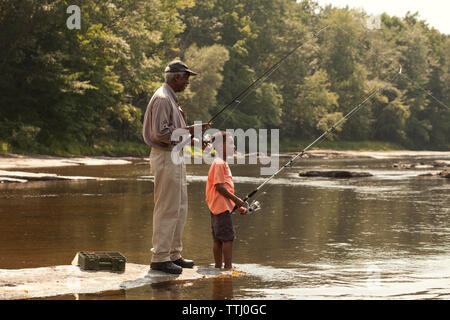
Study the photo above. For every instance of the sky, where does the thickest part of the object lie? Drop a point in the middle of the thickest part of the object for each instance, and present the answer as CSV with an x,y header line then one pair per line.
x,y
434,12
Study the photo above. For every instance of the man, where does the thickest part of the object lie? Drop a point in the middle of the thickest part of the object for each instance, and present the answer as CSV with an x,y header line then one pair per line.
x,y
163,116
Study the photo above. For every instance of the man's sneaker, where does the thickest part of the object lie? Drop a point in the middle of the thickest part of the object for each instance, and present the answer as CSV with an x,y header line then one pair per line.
x,y
167,266
184,263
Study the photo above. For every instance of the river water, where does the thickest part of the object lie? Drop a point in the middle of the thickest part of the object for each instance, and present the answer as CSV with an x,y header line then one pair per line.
x,y
381,237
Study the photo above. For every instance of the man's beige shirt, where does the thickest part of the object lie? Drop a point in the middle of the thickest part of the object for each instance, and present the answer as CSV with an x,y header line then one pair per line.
x,y
163,116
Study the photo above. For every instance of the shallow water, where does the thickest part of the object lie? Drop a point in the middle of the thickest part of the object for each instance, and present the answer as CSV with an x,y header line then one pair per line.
x,y
382,237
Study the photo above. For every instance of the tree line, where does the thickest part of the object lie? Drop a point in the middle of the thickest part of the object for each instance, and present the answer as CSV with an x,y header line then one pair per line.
x,y
73,91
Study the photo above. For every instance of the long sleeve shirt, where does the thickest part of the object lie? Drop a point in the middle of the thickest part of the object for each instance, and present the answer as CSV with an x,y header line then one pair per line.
x,y
163,116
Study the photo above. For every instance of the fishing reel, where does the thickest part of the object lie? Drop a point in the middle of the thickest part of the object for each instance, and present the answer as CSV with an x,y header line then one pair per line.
x,y
206,141
207,138
254,206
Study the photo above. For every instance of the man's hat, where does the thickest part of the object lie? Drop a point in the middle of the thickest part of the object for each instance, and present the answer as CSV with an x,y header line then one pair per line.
x,y
179,66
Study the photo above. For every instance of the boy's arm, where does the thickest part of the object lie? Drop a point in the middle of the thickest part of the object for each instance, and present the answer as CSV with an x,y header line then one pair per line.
x,y
224,192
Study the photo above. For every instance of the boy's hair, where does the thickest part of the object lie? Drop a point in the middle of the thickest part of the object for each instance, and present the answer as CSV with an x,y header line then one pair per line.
x,y
219,138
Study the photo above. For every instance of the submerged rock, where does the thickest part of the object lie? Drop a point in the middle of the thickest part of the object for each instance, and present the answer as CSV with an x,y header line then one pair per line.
x,y
421,165
335,174
441,163
445,174
11,180
428,174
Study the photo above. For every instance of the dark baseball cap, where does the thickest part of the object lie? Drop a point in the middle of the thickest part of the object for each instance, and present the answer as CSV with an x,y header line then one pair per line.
x,y
179,66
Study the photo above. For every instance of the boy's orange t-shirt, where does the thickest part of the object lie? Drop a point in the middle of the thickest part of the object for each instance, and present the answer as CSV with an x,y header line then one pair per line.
x,y
219,172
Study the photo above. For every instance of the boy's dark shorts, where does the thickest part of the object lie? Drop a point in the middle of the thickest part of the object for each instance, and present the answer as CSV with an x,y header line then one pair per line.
x,y
222,226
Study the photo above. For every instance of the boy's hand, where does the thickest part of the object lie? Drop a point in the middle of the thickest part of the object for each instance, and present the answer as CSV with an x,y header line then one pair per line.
x,y
205,144
242,210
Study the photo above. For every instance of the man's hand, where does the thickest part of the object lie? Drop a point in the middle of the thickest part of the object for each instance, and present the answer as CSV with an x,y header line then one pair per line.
x,y
194,128
205,144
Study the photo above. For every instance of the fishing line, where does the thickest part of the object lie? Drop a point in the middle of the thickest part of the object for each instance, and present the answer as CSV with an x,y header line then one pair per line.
x,y
230,111
249,89
255,204
238,99
418,86
319,139
402,74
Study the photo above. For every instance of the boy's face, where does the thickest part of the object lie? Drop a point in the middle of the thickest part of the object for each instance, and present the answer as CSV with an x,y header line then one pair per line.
x,y
228,147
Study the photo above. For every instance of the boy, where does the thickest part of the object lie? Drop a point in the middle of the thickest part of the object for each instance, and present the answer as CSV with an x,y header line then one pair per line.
x,y
221,199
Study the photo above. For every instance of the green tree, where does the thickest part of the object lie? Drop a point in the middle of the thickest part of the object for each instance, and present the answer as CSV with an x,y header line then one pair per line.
x,y
314,106
200,97
342,56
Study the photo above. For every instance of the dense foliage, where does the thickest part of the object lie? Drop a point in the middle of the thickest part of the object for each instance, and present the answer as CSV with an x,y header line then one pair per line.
x,y
77,91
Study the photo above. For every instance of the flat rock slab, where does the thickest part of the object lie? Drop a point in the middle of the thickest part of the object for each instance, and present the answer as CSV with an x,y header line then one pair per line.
x,y
17,161
335,174
441,163
19,176
11,180
70,279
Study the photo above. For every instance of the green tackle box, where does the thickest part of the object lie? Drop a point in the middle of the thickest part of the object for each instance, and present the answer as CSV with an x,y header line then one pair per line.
x,y
101,260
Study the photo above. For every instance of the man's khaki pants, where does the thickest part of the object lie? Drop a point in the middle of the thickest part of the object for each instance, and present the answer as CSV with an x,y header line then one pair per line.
x,y
170,211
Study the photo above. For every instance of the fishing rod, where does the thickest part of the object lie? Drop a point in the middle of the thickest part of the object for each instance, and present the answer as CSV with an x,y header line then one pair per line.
x,y
243,94
254,206
270,70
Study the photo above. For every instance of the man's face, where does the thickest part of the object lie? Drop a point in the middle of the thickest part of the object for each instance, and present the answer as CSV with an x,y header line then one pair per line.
x,y
180,82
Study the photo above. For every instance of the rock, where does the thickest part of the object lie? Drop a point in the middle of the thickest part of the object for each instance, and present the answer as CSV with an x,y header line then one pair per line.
x,y
335,174
402,165
423,166
70,279
30,176
441,163
11,180
18,161
19,176
429,174
445,174
420,165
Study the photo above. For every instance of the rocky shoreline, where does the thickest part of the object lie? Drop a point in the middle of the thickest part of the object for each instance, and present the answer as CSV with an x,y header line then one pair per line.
x,y
14,162
436,160
21,177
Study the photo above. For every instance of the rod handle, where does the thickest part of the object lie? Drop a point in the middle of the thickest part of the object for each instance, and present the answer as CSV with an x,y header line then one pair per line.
x,y
251,194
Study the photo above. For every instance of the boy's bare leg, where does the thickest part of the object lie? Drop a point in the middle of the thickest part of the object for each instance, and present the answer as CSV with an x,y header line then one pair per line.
x,y
217,250
227,249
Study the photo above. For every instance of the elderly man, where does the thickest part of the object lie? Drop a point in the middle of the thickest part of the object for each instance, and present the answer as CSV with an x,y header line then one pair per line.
x,y
163,116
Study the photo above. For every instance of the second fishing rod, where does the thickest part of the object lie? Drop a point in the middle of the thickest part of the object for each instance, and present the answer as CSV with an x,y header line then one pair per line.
x,y
254,206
